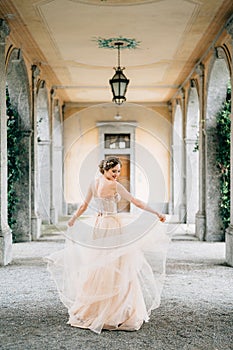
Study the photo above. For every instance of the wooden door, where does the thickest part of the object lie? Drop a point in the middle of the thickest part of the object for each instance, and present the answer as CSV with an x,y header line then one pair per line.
x,y
124,179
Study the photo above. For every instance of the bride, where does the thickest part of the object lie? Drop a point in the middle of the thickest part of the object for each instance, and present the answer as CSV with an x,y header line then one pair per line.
x,y
102,275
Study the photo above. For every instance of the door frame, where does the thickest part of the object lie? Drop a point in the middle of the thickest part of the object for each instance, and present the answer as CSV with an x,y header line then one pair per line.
x,y
109,127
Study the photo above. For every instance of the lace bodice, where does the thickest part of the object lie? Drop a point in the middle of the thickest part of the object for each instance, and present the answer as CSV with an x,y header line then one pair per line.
x,y
107,205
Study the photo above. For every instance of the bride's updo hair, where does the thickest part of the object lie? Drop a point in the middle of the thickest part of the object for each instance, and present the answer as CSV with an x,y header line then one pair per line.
x,y
108,163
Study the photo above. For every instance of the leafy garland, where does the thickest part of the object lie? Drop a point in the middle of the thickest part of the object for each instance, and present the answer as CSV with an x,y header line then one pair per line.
x,y
223,157
14,135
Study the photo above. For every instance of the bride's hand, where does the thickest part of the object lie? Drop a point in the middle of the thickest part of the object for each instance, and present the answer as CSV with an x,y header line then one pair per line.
x,y
162,217
71,221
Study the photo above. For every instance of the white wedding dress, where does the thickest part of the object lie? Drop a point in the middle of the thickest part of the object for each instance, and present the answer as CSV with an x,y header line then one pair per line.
x,y
102,275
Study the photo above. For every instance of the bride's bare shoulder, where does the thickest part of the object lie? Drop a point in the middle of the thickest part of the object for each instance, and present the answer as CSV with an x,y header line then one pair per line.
x,y
105,187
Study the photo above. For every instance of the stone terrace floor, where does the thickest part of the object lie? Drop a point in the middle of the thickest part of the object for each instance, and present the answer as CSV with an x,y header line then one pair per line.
x,y
196,311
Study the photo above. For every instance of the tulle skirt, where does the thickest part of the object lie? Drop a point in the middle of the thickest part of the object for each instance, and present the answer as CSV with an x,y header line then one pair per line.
x,y
103,275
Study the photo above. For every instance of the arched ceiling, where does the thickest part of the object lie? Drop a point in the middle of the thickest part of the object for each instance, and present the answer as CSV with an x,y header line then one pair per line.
x,y
63,36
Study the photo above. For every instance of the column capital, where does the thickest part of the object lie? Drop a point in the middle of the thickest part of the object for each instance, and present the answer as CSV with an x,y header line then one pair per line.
x,y
4,31
169,105
192,83
35,71
182,93
200,70
219,52
178,101
229,26
53,93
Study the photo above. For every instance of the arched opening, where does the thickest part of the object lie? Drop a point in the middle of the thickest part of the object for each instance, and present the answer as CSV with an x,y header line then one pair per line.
x,y
192,156
18,90
177,161
216,95
43,147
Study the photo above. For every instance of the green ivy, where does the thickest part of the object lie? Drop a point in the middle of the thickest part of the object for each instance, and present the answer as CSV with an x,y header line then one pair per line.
x,y
223,157
14,136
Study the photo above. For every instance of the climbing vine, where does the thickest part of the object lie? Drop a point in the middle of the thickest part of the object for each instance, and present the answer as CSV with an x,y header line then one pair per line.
x,y
14,136
223,157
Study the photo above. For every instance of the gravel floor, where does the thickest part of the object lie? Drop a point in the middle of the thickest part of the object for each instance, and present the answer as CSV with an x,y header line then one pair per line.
x,y
196,312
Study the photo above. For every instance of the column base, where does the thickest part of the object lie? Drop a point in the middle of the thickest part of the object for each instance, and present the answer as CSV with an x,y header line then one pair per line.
x,y
182,213
170,208
64,208
200,227
23,231
53,216
229,246
36,227
6,247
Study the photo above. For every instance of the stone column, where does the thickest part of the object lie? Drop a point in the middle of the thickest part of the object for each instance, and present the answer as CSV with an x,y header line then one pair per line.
x,y
58,160
182,208
201,214
23,187
171,199
53,213
5,232
229,231
64,203
191,174
35,217
177,141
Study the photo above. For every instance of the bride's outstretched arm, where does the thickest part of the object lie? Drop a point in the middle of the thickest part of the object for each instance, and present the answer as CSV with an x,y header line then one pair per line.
x,y
82,208
140,204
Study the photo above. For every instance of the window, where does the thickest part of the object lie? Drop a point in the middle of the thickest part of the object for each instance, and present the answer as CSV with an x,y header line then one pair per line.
x,y
116,141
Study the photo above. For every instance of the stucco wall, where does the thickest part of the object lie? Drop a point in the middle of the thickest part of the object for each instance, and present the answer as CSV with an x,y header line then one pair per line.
x,y
152,151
